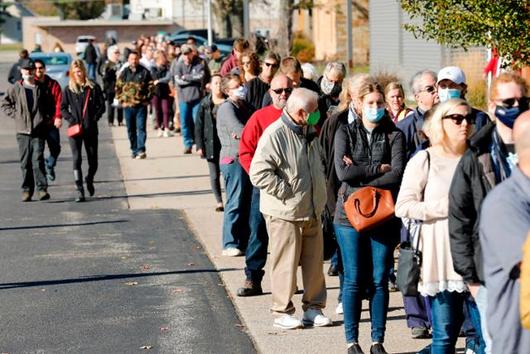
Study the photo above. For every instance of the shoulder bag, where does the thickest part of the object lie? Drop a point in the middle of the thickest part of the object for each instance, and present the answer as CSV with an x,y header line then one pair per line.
x,y
76,130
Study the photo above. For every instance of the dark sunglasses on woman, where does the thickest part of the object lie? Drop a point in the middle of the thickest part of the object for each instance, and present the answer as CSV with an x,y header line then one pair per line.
x,y
459,118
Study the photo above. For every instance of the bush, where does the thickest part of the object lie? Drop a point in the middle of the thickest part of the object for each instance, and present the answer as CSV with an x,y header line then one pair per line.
x,y
384,78
476,94
303,48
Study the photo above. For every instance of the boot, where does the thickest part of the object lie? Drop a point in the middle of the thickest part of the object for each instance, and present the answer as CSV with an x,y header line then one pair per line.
x,y
78,177
90,185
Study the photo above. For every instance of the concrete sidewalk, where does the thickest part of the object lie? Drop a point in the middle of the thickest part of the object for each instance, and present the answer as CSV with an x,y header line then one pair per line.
x,y
169,179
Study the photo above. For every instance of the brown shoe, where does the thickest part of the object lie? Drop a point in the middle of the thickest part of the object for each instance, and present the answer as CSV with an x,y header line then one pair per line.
x,y
250,289
187,151
43,195
26,196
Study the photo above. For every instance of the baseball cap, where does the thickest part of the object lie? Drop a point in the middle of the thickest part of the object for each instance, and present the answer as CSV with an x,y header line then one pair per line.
x,y
211,48
453,73
27,64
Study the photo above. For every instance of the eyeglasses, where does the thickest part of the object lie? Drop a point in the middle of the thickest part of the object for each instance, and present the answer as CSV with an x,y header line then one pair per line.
x,y
279,91
429,89
510,102
459,118
271,64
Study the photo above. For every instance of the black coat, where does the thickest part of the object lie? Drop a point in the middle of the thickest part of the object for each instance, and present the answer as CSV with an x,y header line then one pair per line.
x,y
72,106
473,179
206,137
387,146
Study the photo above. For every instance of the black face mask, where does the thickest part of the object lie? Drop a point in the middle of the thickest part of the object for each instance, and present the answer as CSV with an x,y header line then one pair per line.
x,y
336,90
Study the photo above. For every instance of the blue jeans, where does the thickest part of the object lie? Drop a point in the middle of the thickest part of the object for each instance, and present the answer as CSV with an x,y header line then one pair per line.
x,y
135,118
236,214
188,112
482,305
54,144
366,260
91,71
447,319
256,255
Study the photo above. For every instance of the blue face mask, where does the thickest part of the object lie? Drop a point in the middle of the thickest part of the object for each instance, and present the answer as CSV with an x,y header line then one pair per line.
x,y
448,94
373,115
507,116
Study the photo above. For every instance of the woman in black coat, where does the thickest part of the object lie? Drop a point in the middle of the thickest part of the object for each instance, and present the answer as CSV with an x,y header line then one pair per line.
x,y
109,76
83,104
206,138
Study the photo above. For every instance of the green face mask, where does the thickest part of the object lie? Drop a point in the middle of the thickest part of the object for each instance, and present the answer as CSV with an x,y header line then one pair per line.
x,y
313,118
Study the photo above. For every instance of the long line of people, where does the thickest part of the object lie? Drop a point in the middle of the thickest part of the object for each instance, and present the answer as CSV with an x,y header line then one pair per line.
x,y
292,150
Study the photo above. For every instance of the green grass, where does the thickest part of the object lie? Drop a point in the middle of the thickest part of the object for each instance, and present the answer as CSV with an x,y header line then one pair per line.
x,y
11,47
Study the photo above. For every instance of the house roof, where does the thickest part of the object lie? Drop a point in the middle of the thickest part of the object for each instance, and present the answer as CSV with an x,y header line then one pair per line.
x,y
103,23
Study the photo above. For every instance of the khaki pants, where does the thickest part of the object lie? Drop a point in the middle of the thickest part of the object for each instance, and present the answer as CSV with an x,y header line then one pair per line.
x,y
293,243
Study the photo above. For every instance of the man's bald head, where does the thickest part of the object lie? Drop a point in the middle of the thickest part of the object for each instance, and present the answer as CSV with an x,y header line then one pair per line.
x,y
521,137
281,88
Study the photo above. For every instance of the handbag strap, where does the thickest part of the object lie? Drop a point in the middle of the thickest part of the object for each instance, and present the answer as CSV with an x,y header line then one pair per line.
x,y
86,103
374,202
428,169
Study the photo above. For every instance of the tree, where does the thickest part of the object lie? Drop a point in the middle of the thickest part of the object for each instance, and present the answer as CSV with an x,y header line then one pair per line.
x,y
503,25
80,10
228,17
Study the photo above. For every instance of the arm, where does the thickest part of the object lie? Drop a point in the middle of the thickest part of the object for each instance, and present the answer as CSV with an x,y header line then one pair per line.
x,y
248,144
226,115
199,128
264,167
392,178
8,103
410,203
99,102
12,74
65,107
349,172
462,219
197,76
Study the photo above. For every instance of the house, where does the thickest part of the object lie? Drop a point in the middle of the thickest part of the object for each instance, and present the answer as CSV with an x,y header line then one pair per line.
x,y
12,27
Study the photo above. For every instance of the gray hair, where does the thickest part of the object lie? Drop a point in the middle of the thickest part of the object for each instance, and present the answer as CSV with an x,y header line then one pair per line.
x,y
415,85
300,98
335,66
112,49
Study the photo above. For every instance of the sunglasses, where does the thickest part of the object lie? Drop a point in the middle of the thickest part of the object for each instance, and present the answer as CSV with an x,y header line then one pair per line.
x,y
510,102
279,91
271,64
429,89
459,118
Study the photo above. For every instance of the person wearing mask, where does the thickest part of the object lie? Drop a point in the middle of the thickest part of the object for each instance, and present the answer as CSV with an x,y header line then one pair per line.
x,y
330,87
110,72
452,84
91,59
31,106
14,72
378,160
287,168
503,229
148,57
134,89
256,254
240,46
206,138
53,137
249,67
83,103
395,102
489,160
259,86
161,100
424,196
231,118
187,77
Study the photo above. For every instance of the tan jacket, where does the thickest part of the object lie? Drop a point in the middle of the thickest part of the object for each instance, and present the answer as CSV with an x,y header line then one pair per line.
x,y
288,169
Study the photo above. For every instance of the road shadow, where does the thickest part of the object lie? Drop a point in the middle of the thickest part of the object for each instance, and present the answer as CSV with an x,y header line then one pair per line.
x,y
88,223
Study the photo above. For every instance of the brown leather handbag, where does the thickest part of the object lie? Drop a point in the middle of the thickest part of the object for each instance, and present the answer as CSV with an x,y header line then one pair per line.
x,y
369,207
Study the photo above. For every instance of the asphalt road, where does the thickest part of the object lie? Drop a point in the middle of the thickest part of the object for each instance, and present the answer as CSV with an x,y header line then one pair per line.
x,y
96,277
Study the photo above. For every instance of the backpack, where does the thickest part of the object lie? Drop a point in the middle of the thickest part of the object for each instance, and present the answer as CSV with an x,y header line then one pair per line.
x,y
524,300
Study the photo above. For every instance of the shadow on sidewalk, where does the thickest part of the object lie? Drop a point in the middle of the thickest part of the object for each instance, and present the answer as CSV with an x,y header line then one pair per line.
x,y
29,227
150,179
29,284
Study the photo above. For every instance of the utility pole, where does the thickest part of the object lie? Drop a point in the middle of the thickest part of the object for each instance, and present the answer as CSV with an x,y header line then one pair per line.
x,y
246,24
349,10
210,27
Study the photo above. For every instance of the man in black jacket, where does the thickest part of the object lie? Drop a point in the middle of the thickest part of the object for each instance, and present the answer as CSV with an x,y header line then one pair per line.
x,y
31,106
14,72
488,161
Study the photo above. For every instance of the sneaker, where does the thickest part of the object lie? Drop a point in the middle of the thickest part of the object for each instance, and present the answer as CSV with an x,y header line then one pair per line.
x,y
219,208
315,318
50,173
332,271
355,348
141,156
187,151
420,333
339,310
167,133
250,289
159,133
392,286
26,196
377,348
43,195
287,322
232,252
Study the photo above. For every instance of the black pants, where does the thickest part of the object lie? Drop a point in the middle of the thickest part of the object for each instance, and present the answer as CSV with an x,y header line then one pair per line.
x,y
31,152
90,139
111,109
215,180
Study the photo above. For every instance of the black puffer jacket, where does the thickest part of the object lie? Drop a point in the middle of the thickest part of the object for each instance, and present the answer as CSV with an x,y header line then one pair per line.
x,y
474,177
206,137
73,104
386,146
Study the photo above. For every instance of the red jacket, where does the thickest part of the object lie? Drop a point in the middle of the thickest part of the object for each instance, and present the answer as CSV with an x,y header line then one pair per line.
x,y
55,90
253,130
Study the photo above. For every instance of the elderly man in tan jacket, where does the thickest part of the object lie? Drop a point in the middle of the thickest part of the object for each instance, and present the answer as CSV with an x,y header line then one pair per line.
x,y
288,169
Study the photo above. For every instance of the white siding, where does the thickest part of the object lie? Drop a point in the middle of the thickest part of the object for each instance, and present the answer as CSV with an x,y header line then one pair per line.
x,y
384,35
